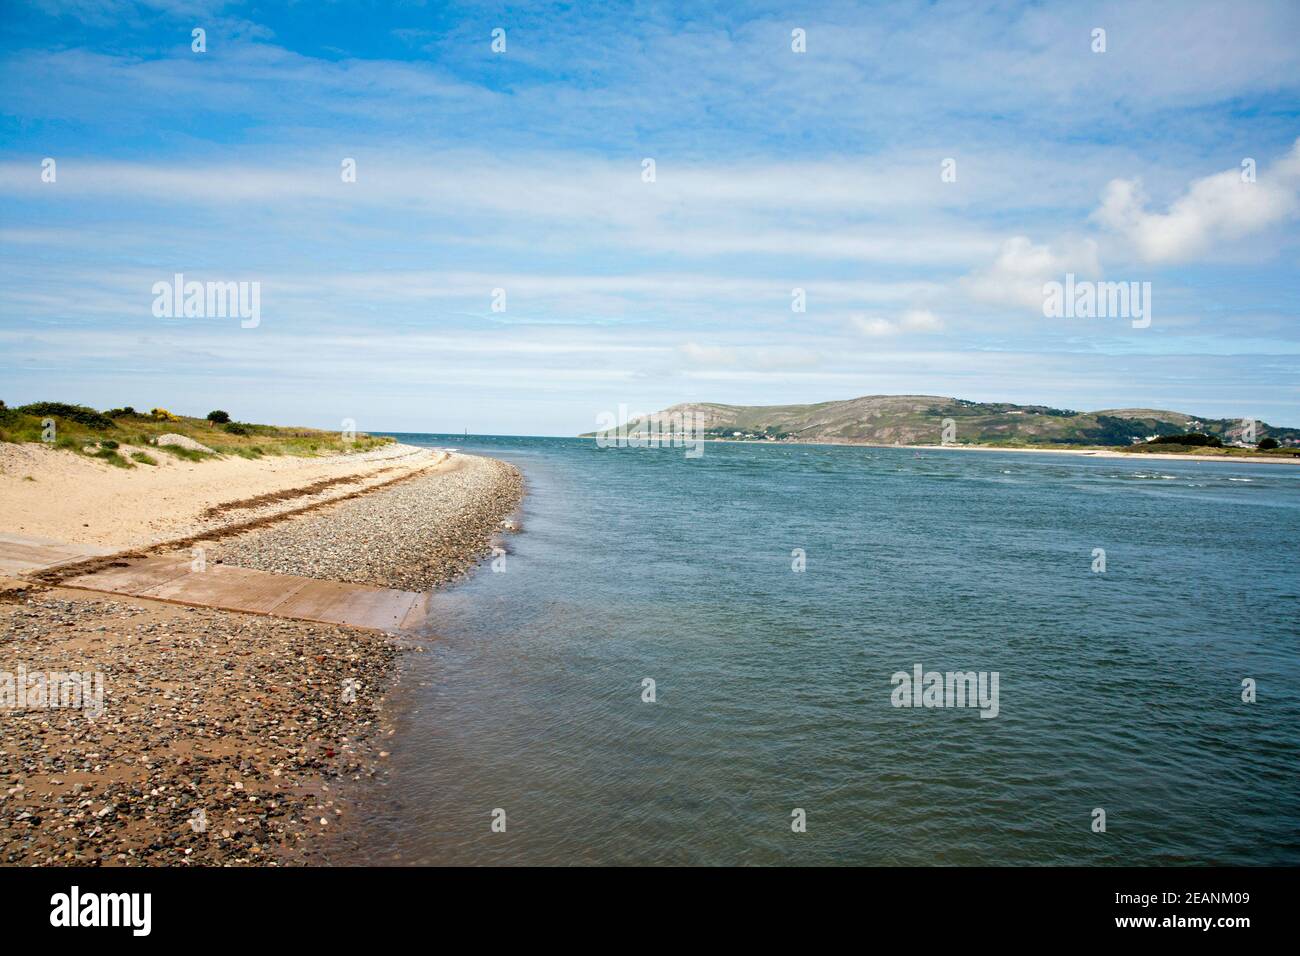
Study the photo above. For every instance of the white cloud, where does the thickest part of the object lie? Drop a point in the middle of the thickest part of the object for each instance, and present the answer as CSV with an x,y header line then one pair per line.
x,y
913,320
876,328
1214,209
1017,275
920,320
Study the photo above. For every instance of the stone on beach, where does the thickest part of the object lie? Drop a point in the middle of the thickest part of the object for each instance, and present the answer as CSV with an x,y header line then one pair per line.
x,y
219,734
222,731
182,441
413,535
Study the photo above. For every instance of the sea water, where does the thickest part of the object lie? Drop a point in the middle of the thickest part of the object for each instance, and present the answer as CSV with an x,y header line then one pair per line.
x,y
772,592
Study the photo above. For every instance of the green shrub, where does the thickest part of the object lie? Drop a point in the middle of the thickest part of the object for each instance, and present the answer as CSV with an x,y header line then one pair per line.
x,y
218,417
1267,444
143,458
1193,438
234,428
108,443
112,457
73,413
189,454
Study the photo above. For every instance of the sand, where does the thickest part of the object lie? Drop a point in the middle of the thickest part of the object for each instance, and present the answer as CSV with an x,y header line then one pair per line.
x,y
1108,453
62,496
1086,452
223,738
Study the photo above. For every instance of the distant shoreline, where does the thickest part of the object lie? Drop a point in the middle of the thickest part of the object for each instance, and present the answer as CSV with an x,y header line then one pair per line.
x,y
1112,453
1086,452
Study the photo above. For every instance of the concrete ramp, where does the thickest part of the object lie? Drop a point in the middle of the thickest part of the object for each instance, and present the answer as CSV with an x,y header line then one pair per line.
x,y
21,554
171,578
132,575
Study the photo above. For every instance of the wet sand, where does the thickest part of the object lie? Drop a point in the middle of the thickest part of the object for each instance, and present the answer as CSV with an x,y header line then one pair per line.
x,y
223,739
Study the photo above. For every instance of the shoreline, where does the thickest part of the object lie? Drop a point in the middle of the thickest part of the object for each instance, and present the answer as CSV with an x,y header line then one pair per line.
x,y
1085,452
223,738
227,737
1112,454
56,494
416,534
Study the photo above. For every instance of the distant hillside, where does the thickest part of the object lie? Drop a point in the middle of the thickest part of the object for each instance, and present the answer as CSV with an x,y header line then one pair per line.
x,y
919,420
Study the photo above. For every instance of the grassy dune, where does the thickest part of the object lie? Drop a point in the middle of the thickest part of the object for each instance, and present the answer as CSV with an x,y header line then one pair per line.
x,y
104,435
1201,451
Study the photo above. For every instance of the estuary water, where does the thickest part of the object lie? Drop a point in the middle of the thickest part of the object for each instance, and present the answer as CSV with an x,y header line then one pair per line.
x,y
1118,690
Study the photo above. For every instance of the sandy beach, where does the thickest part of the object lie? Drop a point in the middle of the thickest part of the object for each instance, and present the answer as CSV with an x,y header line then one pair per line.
x,y
224,737
1086,452
1110,453
49,493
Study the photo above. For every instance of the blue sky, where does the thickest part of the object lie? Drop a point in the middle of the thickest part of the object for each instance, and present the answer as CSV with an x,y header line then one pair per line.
x,y
522,171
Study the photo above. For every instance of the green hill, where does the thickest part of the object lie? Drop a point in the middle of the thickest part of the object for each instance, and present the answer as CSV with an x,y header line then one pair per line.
x,y
919,420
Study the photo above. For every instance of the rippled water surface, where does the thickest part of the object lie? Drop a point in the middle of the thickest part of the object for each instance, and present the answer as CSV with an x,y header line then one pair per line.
x,y
1119,690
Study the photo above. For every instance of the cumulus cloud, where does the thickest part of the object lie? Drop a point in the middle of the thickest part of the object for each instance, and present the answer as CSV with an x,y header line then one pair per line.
x,y
1222,207
1017,275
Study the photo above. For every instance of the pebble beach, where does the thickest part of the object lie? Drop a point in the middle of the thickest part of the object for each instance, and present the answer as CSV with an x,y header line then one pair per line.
x,y
415,535
222,739
228,738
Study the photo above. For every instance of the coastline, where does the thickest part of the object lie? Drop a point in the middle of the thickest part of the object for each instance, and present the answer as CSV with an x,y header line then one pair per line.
x,y
222,740
1086,452
1111,453
225,737
415,535
51,493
